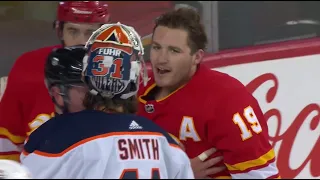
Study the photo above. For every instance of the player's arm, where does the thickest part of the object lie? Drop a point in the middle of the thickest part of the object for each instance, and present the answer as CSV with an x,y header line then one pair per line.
x,y
12,133
181,162
241,133
185,171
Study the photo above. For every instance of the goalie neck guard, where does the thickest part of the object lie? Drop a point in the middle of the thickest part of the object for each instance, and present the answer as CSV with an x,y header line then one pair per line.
x,y
114,62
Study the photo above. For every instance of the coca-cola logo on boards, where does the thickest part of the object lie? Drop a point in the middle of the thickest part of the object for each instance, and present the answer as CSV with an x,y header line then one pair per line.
x,y
309,115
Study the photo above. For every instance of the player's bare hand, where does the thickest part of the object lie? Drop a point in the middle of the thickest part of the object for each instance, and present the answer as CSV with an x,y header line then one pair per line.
x,y
203,167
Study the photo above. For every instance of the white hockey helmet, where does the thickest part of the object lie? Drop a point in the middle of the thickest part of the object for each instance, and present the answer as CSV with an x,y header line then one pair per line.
x,y
114,61
13,170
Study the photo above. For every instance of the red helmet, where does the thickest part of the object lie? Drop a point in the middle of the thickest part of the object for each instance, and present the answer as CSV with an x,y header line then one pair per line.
x,y
83,12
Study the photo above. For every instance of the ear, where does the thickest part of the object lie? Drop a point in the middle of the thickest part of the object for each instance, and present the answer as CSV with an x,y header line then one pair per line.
x,y
198,56
56,94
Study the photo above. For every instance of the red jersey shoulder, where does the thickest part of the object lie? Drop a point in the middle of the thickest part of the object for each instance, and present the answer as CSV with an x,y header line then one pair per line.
x,y
34,56
218,84
41,53
208,84
30,63
227,94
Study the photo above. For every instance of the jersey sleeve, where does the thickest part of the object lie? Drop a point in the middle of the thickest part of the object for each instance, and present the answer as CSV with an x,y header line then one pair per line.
x,y
241,134
185,171
180,165
12,134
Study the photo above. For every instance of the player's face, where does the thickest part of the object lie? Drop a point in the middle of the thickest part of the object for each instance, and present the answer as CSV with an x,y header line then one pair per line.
x,y
76,96
172,62
77,33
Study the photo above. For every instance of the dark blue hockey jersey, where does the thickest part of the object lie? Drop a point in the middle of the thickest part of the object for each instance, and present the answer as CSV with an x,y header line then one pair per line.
x,y
95,144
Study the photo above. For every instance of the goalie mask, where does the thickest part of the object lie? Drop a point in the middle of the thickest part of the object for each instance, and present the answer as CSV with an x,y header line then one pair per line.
x,y
114,62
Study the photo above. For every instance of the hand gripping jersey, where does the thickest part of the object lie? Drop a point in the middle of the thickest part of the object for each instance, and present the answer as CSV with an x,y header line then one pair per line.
x,y
94,144
215,110
25,104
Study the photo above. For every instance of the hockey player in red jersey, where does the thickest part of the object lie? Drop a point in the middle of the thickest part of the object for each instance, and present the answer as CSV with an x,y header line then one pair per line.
x,y
26,104
202,107
108,141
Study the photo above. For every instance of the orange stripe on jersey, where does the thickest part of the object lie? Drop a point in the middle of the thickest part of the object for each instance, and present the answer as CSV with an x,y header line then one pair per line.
x,y
15,139
150,88
223,177
94,138
170,94
176,146
15,157
262,160
254,167
181,146
25,153
175,138
145,93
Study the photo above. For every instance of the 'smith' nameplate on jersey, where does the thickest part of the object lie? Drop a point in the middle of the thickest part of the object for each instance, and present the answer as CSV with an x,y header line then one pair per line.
x,y
144,148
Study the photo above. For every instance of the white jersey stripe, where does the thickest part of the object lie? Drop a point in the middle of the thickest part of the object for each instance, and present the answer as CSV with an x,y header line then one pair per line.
x,y
261,173
7,146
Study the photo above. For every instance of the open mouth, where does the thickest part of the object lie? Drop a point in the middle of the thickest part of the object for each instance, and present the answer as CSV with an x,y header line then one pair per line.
x,y
162,71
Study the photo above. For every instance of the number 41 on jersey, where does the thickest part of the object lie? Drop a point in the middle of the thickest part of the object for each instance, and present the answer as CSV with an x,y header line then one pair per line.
x,y
134,174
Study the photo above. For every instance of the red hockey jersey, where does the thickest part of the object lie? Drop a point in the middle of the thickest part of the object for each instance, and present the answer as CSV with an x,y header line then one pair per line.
x,y
215,110
25,104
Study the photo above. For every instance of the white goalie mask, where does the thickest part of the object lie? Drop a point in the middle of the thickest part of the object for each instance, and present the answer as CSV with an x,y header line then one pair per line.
x,y
114,61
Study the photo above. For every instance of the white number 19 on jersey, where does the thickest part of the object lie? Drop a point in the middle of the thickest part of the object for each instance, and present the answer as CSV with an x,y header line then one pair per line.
x,y
250,117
